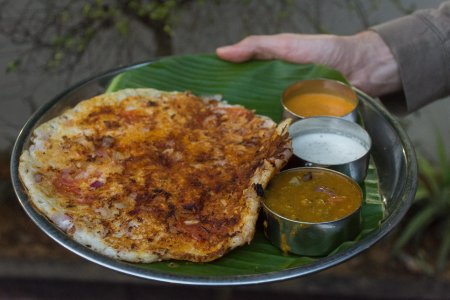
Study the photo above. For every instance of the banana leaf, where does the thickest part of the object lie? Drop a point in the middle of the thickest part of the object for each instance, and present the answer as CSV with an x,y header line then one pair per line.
x,y
256,85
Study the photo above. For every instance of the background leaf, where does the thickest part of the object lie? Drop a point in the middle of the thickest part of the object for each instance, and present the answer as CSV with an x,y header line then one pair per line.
x,y
256,85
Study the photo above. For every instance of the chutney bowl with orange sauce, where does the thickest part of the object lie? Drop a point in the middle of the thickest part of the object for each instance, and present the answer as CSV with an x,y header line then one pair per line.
x,y
310,211
320,98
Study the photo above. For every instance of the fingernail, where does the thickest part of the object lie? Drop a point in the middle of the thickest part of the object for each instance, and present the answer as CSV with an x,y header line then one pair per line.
x,y
223,48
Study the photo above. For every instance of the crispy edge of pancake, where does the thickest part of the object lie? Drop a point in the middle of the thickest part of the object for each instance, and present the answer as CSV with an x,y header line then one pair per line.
x,y
50,207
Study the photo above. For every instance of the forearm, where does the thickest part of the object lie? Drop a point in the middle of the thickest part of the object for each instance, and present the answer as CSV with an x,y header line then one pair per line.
x,y
421,45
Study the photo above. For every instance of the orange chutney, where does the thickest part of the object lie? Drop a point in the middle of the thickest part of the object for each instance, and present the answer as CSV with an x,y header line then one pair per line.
x,y
319,104
312,195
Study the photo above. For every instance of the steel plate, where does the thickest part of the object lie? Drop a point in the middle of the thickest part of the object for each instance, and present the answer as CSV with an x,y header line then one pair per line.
x,y
392,152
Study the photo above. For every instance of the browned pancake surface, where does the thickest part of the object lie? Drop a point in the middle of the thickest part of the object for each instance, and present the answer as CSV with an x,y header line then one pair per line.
x,y
143,175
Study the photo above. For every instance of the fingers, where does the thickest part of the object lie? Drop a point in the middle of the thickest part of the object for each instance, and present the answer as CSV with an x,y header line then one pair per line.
x,y
234,53
363,58
255,47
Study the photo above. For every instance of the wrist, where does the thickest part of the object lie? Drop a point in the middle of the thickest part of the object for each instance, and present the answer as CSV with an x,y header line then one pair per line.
x,y
372,66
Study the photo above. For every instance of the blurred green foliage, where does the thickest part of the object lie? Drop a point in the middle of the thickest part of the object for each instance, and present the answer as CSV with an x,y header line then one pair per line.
x,y
67,28
426,232
99,14
12,66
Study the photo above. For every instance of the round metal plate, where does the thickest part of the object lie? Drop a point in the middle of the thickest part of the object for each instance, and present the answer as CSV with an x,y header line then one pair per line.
x,y
392,152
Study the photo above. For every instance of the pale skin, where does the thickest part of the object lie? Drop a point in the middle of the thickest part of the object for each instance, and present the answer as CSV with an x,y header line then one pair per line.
x,y
363,58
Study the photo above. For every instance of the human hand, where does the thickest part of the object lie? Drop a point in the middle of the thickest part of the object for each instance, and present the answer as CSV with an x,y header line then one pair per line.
x,y
363,58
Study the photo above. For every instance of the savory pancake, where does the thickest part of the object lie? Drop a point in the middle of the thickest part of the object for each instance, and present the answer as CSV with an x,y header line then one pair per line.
x,y
143,175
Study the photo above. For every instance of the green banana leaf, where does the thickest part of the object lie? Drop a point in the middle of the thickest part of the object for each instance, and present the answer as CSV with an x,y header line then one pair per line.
x,y
256,85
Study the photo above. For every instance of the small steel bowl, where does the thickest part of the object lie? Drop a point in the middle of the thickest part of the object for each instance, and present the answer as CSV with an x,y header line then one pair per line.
x,y
323,86
332,143
307,238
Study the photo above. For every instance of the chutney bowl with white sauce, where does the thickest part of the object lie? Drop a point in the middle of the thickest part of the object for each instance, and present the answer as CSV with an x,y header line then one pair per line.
x,y
333,143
